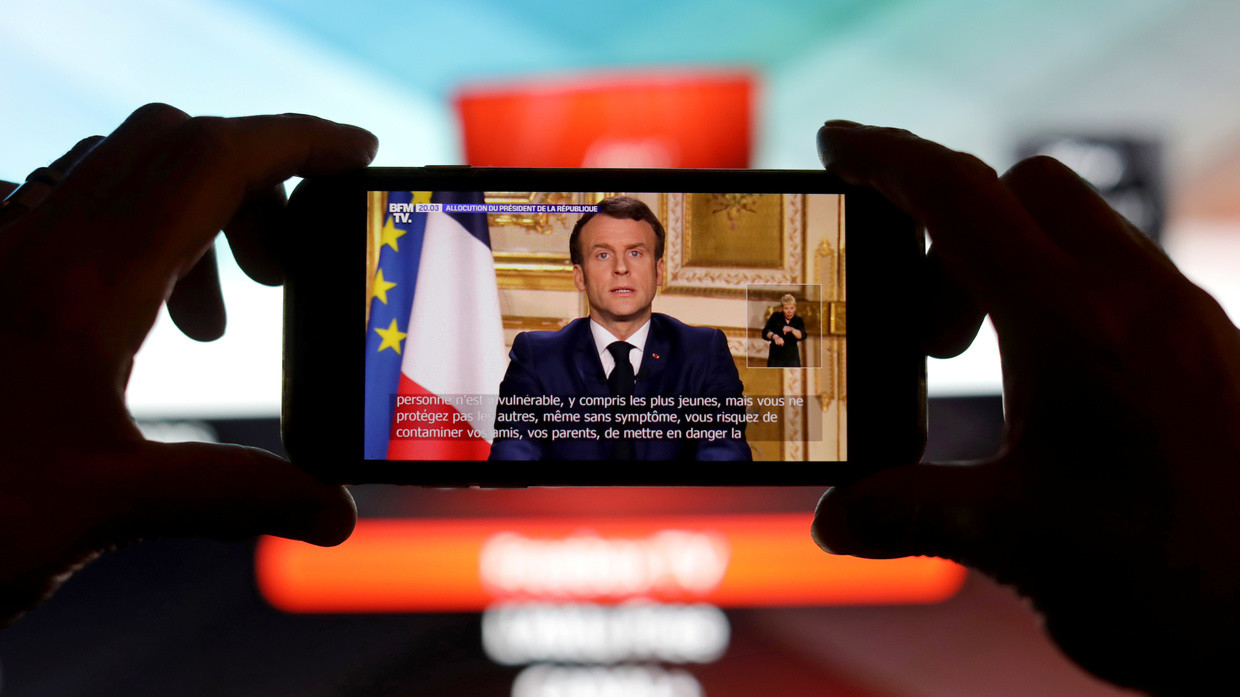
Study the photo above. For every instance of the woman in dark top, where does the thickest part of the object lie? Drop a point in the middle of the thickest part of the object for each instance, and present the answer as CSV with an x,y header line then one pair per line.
x,y
784,330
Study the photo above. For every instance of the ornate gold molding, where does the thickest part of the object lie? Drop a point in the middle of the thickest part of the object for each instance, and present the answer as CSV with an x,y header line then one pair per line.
x,y
727,279
837,319
523,323
536,223
533,271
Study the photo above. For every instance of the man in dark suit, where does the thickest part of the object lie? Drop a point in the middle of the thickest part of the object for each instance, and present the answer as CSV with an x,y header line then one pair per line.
x,y
620,360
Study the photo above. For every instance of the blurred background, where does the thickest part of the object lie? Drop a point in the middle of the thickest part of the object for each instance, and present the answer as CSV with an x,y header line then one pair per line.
x,y
1142,97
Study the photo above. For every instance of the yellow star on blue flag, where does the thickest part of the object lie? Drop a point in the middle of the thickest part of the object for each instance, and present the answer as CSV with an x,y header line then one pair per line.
x,y
392,336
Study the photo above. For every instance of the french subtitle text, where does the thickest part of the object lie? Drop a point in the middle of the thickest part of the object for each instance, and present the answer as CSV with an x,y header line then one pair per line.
x,y
605,417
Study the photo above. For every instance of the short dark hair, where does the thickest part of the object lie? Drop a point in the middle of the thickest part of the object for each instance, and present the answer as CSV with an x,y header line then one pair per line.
x,y
622,207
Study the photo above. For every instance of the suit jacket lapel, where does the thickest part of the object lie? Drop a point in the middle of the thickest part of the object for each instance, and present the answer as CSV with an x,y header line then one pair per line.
x,y
586,361
651,377
654,362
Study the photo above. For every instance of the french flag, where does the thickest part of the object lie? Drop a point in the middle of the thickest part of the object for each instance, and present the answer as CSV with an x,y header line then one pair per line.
x,y
434,335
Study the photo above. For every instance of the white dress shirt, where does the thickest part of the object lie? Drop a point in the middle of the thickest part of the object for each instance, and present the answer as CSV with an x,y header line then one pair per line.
x,y
604,338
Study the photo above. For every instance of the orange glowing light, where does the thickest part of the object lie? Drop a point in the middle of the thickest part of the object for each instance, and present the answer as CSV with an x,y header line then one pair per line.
x,y
435,565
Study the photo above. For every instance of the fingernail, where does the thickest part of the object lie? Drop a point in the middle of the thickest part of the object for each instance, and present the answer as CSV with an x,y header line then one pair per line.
x,y
826,518
847,522
813,532
329,523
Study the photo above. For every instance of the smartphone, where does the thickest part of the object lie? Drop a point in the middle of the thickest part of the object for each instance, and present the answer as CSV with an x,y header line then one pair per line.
x,y
451,326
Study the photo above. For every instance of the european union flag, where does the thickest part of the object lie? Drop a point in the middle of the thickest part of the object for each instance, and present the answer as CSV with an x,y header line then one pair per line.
x,y
391,298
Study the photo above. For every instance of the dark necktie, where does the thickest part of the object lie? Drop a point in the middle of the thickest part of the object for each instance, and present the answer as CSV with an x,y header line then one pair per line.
x,y
621,384
621,379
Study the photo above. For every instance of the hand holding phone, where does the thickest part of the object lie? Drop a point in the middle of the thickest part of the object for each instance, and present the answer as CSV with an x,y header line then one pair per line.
x,y
1111,502
83,273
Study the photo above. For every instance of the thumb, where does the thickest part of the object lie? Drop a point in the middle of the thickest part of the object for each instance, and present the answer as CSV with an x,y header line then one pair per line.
x,y
940,510
230,492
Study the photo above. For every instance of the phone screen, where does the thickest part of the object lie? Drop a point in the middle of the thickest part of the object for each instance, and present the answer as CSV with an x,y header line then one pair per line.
x,y
490,325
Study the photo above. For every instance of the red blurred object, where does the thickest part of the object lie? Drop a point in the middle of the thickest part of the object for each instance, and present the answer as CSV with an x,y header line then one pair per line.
x,y
698,118
466,564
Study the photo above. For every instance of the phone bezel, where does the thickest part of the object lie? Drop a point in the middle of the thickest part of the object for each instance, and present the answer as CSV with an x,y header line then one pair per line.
x,y
323,364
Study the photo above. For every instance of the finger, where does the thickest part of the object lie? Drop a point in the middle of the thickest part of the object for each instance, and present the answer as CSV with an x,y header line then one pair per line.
x,y
65,163
254,236
240,159
230,493
163,185
985,237
143,130
8,212
952,315
196,173
932,510
300,145
1078,219
40,183
196,304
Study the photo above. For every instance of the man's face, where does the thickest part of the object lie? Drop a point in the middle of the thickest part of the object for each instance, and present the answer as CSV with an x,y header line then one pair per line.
x,y
619,273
